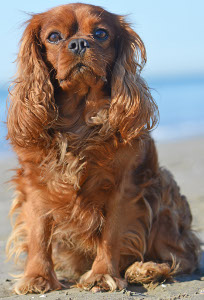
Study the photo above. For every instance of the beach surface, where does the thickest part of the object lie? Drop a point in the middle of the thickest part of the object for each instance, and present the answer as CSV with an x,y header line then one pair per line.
x,y
185,159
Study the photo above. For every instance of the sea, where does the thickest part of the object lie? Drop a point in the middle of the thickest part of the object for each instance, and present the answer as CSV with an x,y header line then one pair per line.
x,y
181,106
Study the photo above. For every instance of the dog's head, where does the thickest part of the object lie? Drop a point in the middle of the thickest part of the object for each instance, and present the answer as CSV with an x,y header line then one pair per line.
x,y
76,48
80,43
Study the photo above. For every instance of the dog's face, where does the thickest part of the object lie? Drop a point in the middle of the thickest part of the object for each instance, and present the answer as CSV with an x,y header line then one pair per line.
x,y
79,43
80,62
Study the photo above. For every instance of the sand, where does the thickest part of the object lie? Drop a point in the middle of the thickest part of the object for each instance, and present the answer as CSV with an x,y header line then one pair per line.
x,y
186,161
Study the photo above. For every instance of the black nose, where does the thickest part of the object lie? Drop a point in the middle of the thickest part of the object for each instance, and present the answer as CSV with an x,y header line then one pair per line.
x,y
78,46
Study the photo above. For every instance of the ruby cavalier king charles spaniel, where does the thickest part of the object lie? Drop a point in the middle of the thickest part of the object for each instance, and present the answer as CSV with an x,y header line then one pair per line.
x,y
92,202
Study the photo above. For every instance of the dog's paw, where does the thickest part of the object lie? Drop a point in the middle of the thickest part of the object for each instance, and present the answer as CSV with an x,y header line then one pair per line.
x,y
36,284
101,282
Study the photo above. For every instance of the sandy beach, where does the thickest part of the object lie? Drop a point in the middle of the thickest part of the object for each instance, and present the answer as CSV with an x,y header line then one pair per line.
x,y
185,159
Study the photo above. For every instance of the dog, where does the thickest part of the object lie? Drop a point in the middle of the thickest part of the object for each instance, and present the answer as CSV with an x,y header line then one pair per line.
x,y
91,199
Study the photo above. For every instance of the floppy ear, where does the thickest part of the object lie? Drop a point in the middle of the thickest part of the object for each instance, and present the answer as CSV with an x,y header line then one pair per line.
x,y
132,110
32,106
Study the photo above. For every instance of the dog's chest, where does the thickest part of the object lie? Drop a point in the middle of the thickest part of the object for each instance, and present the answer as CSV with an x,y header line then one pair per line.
x,y
79,225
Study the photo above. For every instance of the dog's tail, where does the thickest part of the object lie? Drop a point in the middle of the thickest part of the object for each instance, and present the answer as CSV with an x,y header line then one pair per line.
x,y
151,272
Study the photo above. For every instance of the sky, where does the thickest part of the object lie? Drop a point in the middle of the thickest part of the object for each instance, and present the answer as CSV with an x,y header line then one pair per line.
x,y
172,31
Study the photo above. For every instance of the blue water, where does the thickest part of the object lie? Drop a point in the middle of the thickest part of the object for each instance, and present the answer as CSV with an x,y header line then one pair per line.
x,y
181,106
3,113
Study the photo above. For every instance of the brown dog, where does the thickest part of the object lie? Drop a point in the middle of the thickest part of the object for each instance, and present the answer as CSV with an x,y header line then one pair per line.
x,y
91,197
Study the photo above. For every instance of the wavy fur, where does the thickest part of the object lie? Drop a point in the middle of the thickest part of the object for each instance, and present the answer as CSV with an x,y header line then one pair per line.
x,y
91,200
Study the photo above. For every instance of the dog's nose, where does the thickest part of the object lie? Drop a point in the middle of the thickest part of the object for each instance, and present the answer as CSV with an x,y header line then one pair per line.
x,y
78,46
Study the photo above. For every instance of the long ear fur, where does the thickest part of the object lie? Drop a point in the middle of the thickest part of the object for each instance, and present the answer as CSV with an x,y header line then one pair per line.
x,y
32,106
133,110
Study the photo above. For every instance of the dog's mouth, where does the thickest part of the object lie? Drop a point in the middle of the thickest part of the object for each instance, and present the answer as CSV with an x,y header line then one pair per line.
x,y
74,71
81,69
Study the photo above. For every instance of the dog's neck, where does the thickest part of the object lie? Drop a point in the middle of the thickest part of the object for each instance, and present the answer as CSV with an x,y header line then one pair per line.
x,y
84,106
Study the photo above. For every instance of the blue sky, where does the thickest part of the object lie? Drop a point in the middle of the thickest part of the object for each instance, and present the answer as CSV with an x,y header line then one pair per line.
x,y
172,30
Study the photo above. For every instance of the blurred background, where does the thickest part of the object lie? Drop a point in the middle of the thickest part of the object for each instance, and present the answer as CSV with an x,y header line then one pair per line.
x,y
172,32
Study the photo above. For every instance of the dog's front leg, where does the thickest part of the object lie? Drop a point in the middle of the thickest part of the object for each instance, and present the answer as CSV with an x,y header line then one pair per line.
x,y
104,274
39,275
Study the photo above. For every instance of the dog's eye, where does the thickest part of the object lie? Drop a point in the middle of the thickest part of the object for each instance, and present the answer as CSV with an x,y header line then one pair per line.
x,y
54,37
100,34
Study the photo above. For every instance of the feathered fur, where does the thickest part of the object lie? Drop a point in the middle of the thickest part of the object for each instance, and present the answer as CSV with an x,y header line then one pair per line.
x,y
91,199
